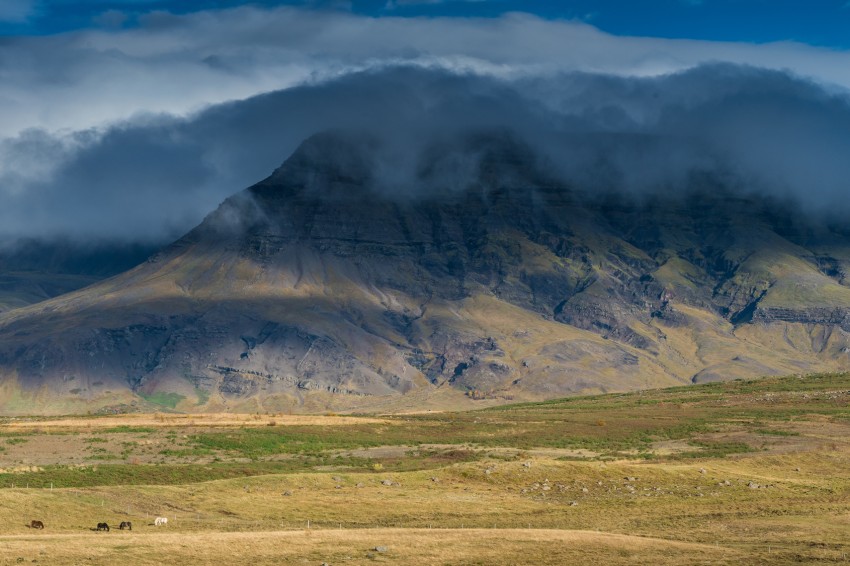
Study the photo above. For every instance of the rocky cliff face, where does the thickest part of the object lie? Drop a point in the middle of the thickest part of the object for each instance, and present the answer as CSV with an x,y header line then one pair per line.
x,y
480,277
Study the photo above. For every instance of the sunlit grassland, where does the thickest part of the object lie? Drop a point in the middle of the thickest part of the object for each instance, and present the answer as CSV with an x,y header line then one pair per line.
x,y
739,472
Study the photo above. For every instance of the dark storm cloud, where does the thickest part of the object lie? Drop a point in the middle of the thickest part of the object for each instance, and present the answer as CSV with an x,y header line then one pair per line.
x,y
155,176
760,130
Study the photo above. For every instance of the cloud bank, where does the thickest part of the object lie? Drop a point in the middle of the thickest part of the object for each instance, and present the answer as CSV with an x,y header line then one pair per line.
x,y
136,134
153,177
179,64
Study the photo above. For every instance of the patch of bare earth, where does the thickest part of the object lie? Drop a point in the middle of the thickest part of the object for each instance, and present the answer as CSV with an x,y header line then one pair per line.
x,y
379,452
801,436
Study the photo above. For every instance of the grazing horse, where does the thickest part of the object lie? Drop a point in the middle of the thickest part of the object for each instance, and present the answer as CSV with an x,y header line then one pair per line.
x,y
159,521
126,525
36,525
103,527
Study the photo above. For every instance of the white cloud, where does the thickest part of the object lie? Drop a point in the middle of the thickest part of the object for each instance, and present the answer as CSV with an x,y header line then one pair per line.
x,y
177,64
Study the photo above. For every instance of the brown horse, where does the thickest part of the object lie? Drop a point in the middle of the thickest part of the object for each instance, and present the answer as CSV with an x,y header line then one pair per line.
x,y
103,527
126,525
36,525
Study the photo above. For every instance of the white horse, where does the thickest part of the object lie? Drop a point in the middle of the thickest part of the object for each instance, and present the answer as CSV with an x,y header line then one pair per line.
x,y
160,521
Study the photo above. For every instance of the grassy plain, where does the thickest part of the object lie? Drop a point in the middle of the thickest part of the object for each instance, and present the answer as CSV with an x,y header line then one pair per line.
x,y
754,472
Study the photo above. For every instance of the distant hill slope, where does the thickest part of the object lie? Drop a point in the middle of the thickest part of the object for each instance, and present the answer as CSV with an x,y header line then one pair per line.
x,y
32,270
324,286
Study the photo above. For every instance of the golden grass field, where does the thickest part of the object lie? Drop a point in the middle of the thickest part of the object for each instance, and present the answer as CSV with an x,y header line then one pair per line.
x,y
408,546
738,473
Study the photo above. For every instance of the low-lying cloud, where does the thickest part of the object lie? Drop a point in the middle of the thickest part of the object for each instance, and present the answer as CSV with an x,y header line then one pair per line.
x,y
155,176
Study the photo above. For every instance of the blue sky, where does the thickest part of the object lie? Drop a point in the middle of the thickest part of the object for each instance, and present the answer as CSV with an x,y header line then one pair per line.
x,y
815,22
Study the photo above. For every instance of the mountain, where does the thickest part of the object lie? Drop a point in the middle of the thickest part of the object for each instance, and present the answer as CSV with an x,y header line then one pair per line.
x,y
341,283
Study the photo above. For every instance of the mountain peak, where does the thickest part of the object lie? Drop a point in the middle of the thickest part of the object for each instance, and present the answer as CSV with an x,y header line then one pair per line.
x,y
328,159
343,165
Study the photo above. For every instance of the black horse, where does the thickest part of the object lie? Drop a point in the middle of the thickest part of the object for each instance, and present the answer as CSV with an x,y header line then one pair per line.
x,y
126,525
36,525
103,527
